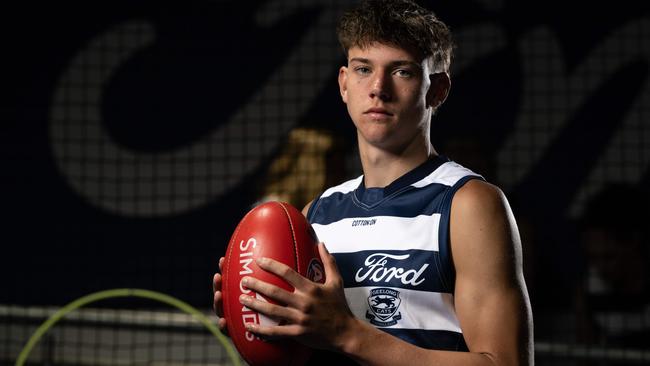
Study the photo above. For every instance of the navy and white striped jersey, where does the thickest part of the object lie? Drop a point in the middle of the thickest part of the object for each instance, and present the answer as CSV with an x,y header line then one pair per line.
x,y
391,245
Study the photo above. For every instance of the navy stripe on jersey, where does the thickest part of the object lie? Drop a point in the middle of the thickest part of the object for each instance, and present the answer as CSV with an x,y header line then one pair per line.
x,y
431,339
448,271
312,207
415,202
370,268
413,176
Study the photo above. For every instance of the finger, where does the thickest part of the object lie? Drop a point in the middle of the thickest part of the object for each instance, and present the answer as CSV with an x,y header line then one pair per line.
x,y
217,303
218,309
216,282
329,264
271,310
271,291
283,271
277,331
221,323
221,264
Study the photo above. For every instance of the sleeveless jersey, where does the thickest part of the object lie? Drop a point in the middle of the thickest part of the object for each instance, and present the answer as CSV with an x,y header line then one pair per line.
x,y
391,245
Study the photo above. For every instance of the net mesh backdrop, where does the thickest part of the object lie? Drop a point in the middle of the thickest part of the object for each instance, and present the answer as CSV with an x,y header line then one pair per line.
x,y
134,137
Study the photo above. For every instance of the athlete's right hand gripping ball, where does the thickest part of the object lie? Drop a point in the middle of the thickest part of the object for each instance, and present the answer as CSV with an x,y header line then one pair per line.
x,y
274,230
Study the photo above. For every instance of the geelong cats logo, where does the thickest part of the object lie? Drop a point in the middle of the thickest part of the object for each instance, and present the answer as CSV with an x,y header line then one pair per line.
x,y
383,303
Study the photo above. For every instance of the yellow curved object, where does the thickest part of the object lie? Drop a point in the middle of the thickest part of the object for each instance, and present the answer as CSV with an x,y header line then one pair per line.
x,y
125,292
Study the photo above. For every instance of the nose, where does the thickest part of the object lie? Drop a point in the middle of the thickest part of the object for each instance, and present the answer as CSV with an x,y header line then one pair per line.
x,y
381,88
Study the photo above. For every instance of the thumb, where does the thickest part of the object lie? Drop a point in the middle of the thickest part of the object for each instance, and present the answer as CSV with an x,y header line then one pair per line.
x,y
329,263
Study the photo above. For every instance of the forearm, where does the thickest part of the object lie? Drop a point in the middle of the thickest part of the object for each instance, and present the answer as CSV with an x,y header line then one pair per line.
x,y
368,345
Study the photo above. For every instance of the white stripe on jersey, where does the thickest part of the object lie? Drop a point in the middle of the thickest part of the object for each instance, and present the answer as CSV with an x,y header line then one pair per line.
x,y
413,304
386,233
448,174
344,187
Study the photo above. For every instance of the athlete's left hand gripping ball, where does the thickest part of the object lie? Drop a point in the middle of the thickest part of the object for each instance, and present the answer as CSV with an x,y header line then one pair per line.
x,y
274,230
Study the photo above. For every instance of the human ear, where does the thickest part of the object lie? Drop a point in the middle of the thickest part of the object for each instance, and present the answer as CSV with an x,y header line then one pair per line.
x,y
343,87
439,89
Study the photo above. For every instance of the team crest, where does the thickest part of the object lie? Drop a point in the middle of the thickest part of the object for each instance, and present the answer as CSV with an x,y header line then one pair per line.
x,y
315,271
383,303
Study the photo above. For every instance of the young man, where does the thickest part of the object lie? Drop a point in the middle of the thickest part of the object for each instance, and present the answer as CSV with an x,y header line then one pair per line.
x,y
426,260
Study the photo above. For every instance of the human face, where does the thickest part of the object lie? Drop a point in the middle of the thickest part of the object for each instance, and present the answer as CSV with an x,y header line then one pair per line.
x,y
386,92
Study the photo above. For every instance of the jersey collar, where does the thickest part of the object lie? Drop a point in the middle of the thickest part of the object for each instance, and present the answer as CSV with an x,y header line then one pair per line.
x,y
372,195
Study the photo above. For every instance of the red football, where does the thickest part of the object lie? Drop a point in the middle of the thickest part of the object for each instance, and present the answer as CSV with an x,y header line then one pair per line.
x,y
275,230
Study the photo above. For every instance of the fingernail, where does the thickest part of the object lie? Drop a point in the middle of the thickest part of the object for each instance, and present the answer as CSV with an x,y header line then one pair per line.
x,y
244,281
244,299
262,260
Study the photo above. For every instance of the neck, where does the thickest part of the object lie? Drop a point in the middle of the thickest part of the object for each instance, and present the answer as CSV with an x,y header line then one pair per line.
x,y
381,167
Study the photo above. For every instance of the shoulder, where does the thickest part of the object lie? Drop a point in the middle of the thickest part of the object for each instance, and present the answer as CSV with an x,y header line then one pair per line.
x,y
479,197
343,188
482,223
449,173
305,209
340,189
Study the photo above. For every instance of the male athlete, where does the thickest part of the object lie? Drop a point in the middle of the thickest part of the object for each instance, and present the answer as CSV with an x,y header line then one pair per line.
x,y
426,264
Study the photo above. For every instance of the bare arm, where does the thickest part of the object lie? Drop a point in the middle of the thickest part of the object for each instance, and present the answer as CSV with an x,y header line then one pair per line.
x,y
491,298
306,208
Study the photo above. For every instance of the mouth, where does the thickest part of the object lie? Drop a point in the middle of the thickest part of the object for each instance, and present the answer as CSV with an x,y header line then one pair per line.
x,y
378,112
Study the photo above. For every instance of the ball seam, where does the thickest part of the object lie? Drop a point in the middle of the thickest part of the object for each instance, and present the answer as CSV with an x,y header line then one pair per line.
x,y
293,237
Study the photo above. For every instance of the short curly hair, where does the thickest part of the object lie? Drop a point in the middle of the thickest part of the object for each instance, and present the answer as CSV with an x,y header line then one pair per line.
x,y
401,23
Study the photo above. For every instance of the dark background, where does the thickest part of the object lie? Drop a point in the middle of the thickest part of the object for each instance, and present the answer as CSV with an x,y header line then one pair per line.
x,y
207,60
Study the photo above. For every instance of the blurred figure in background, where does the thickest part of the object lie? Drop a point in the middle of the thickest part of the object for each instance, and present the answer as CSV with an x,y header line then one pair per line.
x,y
310,161
613,302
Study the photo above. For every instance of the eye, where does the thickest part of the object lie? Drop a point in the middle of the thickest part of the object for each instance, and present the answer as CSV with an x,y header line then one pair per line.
x,y
362,70
404,73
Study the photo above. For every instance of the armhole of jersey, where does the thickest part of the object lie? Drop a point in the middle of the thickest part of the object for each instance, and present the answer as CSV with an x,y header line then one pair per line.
x,y
312,208
444,240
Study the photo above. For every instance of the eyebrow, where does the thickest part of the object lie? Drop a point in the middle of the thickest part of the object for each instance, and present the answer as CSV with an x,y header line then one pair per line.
x,y
392,63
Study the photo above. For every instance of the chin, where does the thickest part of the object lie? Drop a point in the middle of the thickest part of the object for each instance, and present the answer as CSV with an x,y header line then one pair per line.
x,y
380,140
376,132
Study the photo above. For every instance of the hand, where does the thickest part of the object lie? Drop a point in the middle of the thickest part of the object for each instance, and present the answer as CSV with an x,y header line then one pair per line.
x,y
217,301
315,314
